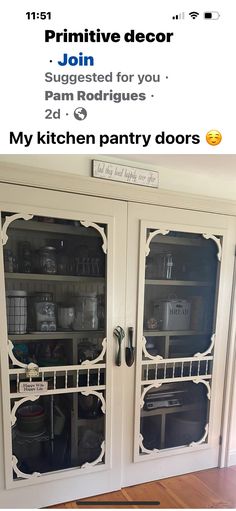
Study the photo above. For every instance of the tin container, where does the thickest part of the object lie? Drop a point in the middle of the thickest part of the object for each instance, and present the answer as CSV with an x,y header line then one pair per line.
x,y
173,314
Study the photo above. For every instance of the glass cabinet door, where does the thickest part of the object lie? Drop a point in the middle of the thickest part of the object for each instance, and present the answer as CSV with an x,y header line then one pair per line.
x,y
56,289
179,306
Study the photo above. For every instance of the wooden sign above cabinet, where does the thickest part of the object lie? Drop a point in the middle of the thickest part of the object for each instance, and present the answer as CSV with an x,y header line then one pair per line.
x,y
125,174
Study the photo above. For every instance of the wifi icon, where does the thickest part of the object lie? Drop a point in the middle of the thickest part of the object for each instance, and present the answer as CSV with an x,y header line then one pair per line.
x,y
194,14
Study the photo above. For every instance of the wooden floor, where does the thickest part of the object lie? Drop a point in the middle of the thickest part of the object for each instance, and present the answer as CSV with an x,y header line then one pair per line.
x,y
214,488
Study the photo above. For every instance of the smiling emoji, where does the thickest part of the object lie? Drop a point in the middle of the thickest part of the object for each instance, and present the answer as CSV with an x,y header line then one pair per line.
x,y
213,137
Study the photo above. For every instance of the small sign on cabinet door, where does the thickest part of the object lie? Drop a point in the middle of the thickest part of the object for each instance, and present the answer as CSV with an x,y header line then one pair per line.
x,y
33,387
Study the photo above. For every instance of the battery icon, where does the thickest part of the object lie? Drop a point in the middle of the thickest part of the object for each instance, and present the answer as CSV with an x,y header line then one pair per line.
x,y
211,15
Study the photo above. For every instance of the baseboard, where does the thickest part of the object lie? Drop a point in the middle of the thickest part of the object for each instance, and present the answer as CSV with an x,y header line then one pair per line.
x,y
232,458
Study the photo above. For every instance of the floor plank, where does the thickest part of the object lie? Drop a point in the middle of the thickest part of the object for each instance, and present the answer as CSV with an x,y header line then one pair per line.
x,y
222,482
213,488
151,491
193,493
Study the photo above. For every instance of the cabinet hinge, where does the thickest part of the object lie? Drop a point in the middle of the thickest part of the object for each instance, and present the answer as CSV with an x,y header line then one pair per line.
x,y
220,440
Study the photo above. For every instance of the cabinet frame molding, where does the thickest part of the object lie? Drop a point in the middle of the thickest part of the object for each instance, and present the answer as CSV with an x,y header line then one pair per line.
x,y
37,177
13,175
161,227
91,219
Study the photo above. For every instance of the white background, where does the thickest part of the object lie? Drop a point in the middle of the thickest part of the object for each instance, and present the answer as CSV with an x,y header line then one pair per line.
x,y
198,96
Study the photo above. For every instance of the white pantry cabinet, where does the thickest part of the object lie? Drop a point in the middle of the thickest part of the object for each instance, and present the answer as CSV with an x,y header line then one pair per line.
x,y
180,268
85,410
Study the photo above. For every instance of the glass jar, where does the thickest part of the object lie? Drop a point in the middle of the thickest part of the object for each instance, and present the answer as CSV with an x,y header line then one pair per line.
x,y
101,311
10,263
165,266
45,312
16,312
86,316
82,264
62,260
25,257
47,260
150,269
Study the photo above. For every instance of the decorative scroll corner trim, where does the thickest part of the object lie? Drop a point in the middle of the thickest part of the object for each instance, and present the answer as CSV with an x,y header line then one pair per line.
x,y
31,369
12,356
98,460
145,352
146,389
218,243
208,350
99,395
207,385
100,229
151,236
9,220
22,474
143,449
201,439
17,404
100,356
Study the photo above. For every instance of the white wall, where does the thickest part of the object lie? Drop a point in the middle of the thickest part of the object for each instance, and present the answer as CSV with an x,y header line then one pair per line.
x,y
214,176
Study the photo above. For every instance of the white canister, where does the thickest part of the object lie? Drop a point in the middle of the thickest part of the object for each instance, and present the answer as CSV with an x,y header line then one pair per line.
x,y
66,316
16,312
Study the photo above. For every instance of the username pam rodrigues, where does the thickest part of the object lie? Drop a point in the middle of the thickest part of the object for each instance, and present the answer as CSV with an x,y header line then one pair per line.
x,y
98,95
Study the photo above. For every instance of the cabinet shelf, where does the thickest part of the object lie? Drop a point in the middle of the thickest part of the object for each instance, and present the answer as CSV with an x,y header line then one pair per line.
x,y
169,333
53,228
175,240
197,283
166,410
83,421
68,334
53,278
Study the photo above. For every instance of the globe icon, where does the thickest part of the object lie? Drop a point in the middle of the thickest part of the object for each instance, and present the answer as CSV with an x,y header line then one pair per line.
x,y
80,113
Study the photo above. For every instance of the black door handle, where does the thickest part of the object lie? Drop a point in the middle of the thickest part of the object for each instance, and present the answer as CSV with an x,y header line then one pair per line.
x,y
129,351
119,334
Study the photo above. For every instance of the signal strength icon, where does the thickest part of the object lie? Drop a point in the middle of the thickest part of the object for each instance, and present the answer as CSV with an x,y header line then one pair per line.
x,y
194,14
179,16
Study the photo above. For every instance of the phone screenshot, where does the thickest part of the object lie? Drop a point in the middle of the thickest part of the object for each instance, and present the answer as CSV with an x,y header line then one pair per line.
x,y
117,255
